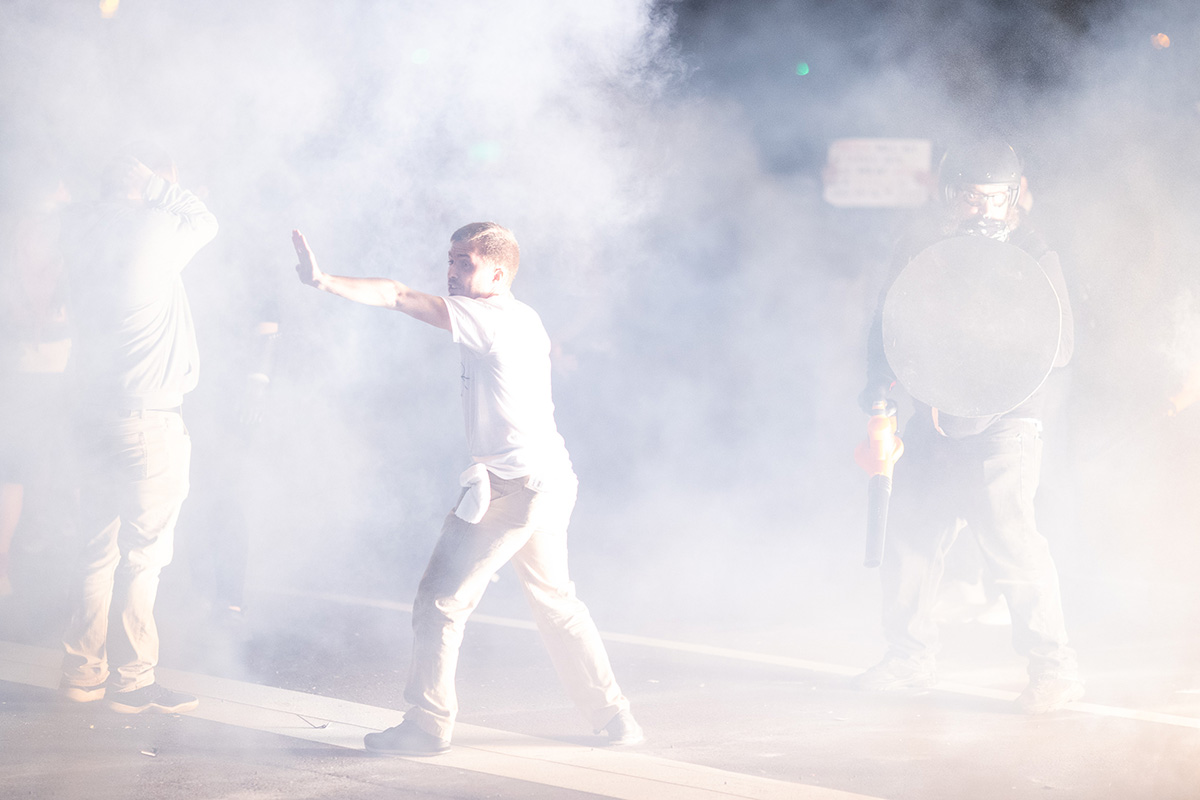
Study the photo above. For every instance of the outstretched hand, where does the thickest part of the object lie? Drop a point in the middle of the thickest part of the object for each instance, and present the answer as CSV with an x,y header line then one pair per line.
x,y
378,292
307,269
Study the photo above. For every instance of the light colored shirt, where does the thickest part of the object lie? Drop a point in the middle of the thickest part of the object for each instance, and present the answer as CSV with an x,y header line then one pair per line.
x,y
507,404
135,343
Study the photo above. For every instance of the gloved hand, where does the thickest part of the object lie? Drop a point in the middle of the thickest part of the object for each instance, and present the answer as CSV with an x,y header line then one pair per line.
x,y
874,392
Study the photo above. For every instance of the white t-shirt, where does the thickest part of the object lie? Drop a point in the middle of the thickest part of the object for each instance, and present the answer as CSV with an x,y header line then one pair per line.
x,y
507,405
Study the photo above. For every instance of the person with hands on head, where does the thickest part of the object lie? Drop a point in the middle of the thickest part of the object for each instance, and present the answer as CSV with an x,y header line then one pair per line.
x,y
135,359
517,496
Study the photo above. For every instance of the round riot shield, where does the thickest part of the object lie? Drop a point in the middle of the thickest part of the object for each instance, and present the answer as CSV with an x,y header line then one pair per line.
x,y
971,326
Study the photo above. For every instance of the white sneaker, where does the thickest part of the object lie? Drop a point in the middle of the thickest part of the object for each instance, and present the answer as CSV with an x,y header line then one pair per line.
x,y
1046,693
623,730
82,694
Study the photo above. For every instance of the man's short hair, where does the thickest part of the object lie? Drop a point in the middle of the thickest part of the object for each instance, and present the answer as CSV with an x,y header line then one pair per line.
x,y
493,242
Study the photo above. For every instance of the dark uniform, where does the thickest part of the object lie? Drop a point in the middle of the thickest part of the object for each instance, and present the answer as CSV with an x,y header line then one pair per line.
x,y
982,472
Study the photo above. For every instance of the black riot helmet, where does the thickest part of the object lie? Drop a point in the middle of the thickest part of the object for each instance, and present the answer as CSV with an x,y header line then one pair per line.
x,y
981,163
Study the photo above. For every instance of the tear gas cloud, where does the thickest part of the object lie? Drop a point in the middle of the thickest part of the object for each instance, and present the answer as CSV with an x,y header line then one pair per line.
x,y
377,128
661,166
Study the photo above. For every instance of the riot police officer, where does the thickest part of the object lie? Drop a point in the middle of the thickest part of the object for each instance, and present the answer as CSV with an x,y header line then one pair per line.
x,y
976,471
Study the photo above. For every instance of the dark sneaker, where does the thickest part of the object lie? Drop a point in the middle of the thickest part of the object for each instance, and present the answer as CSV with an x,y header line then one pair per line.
x,y
1046,693
894,673
152,699
81,694
406,739
623,730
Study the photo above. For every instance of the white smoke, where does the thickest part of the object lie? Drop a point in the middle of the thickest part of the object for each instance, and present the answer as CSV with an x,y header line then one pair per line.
x,y
660,164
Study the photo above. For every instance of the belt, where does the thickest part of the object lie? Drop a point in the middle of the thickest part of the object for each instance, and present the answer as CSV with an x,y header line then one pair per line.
x,y
126,413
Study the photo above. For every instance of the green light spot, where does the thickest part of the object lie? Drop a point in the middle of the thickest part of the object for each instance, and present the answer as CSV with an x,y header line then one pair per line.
x,y
420,56
484,152
802,68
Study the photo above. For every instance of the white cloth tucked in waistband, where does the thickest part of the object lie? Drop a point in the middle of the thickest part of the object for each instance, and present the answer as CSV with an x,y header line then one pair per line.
x,y
474,502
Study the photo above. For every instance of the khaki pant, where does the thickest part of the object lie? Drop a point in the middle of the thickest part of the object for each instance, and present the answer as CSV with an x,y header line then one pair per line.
x,y
529,528
134,484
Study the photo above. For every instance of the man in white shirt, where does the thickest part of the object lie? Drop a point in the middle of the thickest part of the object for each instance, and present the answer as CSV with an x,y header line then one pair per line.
x,y
135,358
517,499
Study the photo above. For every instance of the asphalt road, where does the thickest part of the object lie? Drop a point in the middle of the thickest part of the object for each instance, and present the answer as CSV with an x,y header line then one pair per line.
x,y
288,693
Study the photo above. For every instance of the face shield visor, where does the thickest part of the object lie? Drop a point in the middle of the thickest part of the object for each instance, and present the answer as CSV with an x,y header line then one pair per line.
x,y
983,209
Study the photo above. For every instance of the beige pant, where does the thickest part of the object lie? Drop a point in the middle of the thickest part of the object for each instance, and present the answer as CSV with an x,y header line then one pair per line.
x,y
529,528
135,482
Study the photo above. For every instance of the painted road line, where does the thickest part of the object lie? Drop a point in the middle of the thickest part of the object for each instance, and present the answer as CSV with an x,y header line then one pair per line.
x,y
759,658
623,638
339,723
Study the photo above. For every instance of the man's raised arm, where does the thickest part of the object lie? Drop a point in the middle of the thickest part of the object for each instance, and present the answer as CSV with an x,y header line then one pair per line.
x,y
380,292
